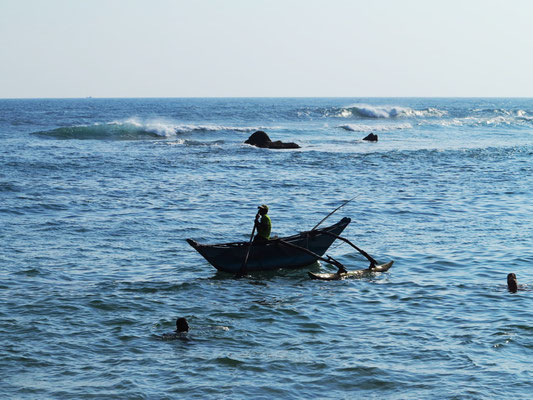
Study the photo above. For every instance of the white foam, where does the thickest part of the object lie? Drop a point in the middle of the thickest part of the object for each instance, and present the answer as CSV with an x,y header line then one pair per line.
x,y
368,111
374,128
168,129
507,120
522,115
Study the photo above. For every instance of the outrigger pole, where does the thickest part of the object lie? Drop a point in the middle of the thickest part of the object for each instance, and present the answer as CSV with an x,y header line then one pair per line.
x,y
329,259
373,262
331,213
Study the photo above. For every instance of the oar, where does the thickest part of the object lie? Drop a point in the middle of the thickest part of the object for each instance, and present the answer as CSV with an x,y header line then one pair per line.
x,y
243,267
331,213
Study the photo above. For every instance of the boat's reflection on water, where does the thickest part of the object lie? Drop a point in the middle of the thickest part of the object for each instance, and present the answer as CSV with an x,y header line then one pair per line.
x,y
259,276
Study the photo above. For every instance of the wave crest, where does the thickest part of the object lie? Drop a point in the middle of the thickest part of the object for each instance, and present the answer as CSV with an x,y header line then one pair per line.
x,y
367,111
133,129
374,128
511,121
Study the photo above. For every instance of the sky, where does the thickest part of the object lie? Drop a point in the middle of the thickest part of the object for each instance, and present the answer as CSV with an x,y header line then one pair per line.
x,y
266,48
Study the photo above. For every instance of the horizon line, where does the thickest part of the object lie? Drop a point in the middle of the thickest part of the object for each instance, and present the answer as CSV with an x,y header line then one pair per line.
x,y
264,97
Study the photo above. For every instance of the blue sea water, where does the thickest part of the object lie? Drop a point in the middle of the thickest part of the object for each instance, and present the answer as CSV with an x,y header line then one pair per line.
x,y
97,197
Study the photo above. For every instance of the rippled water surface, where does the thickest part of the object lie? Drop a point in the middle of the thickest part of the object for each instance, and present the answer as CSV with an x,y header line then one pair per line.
x,y
98,196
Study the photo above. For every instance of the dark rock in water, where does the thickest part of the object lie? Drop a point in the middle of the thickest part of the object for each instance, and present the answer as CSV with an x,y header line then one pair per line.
x,y
278,144
261,139
371,138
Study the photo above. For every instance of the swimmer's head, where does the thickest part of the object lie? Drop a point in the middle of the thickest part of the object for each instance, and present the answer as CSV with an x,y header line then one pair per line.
x,y
182,325
512,285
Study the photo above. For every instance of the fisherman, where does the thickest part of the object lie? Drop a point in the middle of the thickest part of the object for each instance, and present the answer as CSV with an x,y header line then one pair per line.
x,y
512,284
263,225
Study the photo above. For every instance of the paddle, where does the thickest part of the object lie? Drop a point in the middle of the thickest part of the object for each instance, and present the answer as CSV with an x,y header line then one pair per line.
x,y
243,268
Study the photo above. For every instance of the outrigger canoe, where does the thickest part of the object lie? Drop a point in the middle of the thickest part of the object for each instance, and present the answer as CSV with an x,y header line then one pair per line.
x,y
287,252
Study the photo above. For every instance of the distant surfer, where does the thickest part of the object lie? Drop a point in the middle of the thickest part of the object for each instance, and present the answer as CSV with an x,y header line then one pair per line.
x,y
263,225
512,284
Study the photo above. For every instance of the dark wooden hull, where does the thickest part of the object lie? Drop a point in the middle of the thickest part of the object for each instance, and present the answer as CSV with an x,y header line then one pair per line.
x,y
229,257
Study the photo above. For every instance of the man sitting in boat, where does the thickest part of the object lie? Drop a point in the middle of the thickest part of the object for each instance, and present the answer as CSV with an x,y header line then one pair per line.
x,y
263,225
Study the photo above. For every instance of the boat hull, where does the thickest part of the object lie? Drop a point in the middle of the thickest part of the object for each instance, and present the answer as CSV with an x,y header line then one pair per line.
x,y
229,257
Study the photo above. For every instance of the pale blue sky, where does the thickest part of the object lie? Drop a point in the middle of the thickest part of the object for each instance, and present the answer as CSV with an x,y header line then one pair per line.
x,y
202,48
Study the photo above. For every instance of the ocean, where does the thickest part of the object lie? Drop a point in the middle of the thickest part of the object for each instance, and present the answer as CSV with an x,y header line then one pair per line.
x,y
97,197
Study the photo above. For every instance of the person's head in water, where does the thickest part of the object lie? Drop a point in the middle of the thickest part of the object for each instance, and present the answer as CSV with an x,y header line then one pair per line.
x,y
512,284
263,209
182,325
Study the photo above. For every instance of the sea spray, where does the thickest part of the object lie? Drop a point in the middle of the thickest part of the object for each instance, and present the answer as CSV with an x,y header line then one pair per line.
x,y
132,128
368,111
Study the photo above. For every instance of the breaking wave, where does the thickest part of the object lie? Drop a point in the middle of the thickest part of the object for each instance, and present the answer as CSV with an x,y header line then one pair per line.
x,y
493,118
480,122
367,111
430,117
374,128
133,129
